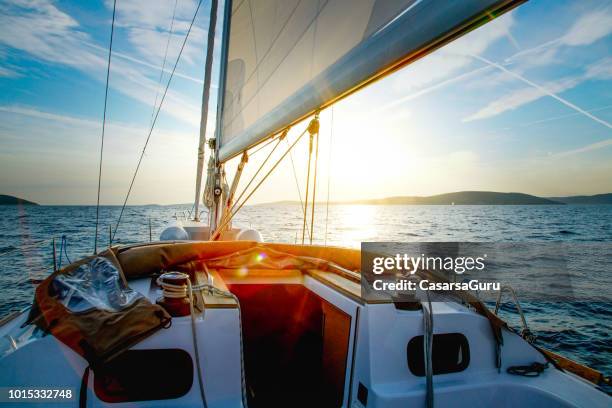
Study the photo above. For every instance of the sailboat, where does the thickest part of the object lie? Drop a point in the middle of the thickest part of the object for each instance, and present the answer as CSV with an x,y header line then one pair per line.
x,y
212,316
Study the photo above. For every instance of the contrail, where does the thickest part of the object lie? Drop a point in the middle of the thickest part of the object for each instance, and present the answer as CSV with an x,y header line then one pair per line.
x,y
429,89
543,90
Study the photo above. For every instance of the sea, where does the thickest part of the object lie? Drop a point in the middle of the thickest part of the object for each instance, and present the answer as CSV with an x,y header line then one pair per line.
x,y
580,330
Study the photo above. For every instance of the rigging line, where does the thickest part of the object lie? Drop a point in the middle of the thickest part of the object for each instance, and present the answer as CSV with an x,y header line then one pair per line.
x,y
178,58
222,225
163,68
307,187
255,175
331,135
264,145
108,66
297,186
314,189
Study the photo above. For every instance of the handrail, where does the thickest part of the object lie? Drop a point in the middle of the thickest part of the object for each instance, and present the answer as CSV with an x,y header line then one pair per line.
x,y
525,333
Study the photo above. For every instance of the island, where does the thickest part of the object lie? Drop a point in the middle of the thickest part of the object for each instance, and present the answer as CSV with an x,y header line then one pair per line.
x,y
596,199
475,198
11,200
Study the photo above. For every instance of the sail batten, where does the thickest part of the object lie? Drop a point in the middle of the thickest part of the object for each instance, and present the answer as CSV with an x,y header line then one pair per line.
x,y
287,59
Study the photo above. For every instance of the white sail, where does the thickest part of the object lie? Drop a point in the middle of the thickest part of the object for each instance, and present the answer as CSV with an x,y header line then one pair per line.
x,y
287,58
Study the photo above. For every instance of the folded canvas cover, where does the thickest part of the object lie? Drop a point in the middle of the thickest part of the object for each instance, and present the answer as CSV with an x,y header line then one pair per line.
x,y
89,307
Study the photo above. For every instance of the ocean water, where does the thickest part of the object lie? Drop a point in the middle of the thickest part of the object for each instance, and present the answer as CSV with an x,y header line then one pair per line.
x,y
579,330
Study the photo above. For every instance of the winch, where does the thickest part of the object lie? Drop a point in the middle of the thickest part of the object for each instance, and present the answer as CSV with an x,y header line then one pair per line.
x,y
176,287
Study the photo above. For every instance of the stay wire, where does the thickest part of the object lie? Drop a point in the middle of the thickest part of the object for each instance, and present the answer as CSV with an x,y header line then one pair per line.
x,y
314,188
297,186
178,58
331,135
278,141
231,215
307,188
108,66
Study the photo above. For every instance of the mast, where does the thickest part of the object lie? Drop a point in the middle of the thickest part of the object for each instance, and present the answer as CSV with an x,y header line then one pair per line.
x,y
216,210
210,46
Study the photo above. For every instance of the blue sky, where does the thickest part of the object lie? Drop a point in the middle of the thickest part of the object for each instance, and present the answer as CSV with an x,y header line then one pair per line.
x,y
521,104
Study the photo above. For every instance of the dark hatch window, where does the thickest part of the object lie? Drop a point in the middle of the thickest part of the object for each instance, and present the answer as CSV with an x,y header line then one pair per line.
x,y
144,375
451,354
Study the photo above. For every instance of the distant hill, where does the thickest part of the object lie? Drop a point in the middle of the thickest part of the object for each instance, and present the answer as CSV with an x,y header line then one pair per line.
x,y
464,198
593,199
10,200
458,198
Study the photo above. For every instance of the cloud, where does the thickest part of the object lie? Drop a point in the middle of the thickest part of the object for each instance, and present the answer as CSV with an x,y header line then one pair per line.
x,y
453,57
40,29
9,73
601,70
589,28
148,24
151,45
520,97
151,14
515,99
590,147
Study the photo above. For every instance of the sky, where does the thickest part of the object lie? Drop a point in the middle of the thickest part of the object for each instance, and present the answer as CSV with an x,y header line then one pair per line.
x,y
522,104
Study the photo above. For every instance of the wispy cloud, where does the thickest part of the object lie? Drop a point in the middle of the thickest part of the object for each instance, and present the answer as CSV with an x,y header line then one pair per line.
x,y
521,97
584,149
454,57
8,73
589,28
535,91
42,30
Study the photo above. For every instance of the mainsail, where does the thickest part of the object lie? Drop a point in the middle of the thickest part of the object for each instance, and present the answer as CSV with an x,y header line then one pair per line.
x,y
288,58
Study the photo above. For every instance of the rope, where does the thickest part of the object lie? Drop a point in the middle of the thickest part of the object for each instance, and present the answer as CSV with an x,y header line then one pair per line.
x,y
173,291
108,65
532,370
313,127
178,58
428,349
259,169
170,290
63,251
263,146
297,185
331,135
222,225
314,190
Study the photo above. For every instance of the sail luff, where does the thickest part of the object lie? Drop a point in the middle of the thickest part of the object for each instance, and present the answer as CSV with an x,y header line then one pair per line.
x,y
210,46
408,35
